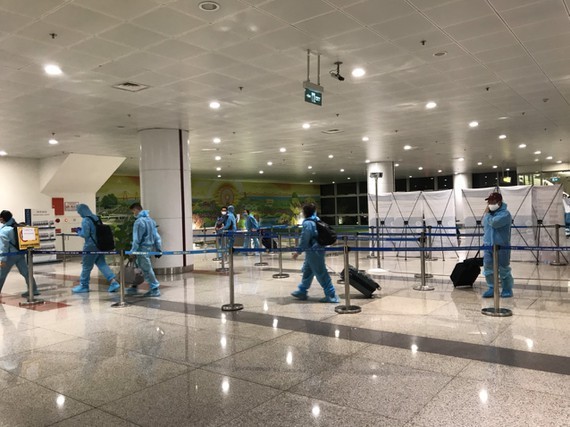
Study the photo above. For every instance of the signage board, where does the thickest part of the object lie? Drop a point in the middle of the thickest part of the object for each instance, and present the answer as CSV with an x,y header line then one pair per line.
x,y
28,237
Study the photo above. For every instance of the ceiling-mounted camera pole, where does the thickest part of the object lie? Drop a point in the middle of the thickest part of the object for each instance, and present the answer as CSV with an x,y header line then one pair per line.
x,y
319,69
308,65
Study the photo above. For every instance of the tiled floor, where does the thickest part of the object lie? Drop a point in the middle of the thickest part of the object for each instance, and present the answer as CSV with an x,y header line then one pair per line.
x,y
409,358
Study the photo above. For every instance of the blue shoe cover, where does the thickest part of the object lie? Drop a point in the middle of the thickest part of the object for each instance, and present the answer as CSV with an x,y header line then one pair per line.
x,y
131,290
506,293
152,293
330,299
299,295
488,293
114,287
80,289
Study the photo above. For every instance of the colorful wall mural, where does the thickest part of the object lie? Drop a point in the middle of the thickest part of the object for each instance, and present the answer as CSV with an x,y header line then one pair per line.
x,y
271,203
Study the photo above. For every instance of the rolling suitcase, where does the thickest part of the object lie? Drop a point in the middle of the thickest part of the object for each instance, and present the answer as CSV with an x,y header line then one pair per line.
x,y
465,273
361,282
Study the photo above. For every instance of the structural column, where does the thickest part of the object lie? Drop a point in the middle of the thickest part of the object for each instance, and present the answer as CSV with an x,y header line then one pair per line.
x,y
166,192
386,183
461,181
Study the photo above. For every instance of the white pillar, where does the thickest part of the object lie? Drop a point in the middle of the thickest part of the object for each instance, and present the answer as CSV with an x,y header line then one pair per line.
x,y
461,181
166,193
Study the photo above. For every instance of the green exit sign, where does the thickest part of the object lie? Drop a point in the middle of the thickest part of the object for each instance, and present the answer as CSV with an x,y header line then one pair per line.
x,y
313,97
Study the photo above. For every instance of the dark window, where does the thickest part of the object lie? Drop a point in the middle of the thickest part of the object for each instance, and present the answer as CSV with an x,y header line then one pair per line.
x,y
327,190
330,220
363,200
346,188
346,205
327,206
485,179
421,184
401,185
348,220
445,182
363,187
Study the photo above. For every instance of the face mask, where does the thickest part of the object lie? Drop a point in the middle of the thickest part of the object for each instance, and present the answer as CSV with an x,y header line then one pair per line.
x,y
493,208
224,213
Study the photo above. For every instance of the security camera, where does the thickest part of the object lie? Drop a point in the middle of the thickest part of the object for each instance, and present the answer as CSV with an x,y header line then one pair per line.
x,y
335,74
376,175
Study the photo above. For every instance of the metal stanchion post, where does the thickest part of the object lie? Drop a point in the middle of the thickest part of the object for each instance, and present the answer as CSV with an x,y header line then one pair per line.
x,y
121,302
280,275
423,286
347,308
356,245
204,236
430,257
223,268
340,281
557,262
31,300
218,257
423,273
232,306
261,263
496,310
63,248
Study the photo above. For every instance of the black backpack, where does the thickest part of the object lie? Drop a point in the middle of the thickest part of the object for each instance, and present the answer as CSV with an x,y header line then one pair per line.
x,y
104,235
325,234
16,226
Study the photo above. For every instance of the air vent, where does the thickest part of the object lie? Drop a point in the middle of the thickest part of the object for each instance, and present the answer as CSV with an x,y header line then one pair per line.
x,y
332,131
130,86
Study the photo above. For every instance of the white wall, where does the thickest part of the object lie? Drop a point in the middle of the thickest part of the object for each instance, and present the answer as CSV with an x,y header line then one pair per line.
x,y
20,186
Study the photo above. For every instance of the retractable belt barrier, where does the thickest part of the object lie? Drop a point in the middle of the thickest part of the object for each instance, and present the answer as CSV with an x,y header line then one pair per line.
x,y
496,310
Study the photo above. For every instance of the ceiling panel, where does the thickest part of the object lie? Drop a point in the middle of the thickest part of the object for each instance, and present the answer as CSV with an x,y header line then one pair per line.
x,y
487,73
168,21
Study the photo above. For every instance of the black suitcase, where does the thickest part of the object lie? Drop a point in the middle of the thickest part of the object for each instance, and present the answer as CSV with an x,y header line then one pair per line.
x,y
268,243
361,282
465,273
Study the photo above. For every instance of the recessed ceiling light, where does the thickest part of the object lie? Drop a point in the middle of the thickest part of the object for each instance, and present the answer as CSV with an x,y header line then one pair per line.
x,y
495,166
209,6
473,124
396,165
269,163
53,70
503,118
411,176
261,172
219,176
508,169
536,160
479,163
218,169
3,153
330,156
365,139
309,167
503,136
358,72
439,171
217,158
310,180
348,178
342,170
367,161
421,168
549,158
522,145
431,105
537,152
407,147
53,141
333,182
216,140
282,149
306,125
461,159
557,161
214,105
